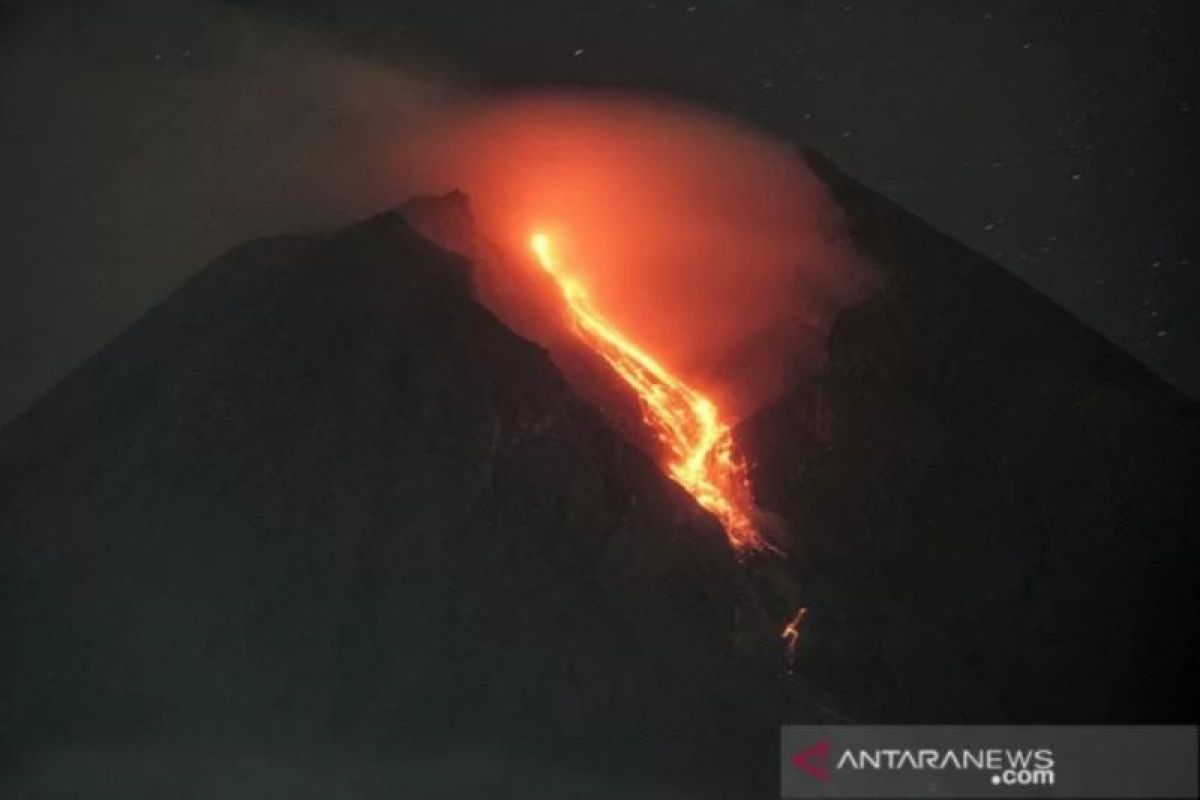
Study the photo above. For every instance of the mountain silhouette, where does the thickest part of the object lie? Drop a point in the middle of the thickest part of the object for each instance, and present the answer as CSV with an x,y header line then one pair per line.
x,y
320,519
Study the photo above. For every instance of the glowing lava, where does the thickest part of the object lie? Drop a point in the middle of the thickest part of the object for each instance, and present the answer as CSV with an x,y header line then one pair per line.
x,y
702,456
791,635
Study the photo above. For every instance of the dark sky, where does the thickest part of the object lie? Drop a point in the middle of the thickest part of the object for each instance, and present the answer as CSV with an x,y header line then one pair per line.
x,y
1058,138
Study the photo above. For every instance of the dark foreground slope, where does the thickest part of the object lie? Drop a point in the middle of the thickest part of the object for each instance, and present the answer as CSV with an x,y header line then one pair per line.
x,y
997,510
320,517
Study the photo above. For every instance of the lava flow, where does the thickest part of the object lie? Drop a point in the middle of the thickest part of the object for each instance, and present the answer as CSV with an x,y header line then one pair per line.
x,y
703,457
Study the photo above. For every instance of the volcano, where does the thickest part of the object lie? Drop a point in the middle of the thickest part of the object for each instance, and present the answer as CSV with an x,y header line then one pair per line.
x,y
320,519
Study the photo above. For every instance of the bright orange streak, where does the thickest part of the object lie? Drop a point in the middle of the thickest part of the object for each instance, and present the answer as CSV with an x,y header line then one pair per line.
x,y
791,635
703,457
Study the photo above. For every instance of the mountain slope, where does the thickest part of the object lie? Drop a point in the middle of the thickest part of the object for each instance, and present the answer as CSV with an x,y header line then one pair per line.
x,y
321,501
996,506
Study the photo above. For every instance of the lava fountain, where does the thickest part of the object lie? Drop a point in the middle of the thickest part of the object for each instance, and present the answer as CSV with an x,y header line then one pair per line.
x,y
703,457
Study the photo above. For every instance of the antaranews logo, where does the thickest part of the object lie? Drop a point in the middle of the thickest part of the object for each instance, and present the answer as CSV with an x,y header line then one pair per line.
x,y
1006,767
988,761
814,760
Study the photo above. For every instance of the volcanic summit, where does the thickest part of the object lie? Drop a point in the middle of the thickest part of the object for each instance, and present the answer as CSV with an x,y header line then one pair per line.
x,y
321,503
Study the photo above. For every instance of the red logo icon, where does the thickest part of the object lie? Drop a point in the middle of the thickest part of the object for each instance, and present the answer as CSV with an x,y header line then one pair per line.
x,y
814,760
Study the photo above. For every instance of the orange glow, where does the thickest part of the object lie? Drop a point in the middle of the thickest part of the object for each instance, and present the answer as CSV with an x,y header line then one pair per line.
x,y
791,634
709,244
702,456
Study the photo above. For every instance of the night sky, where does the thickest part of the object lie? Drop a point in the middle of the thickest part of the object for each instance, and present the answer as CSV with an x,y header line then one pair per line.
x,y
1058,138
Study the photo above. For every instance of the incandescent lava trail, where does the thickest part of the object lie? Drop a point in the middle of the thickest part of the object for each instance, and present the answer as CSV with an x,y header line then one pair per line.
x,y
701,259
702,455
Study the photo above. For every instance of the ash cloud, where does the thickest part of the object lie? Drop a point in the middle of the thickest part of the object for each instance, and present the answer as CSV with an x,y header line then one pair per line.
x,y
707,242
145,138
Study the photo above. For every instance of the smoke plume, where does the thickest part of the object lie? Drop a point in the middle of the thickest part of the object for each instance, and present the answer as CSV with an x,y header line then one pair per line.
x,y
707,242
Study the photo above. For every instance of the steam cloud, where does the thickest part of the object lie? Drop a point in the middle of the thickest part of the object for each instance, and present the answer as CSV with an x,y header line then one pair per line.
x,y
708,243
